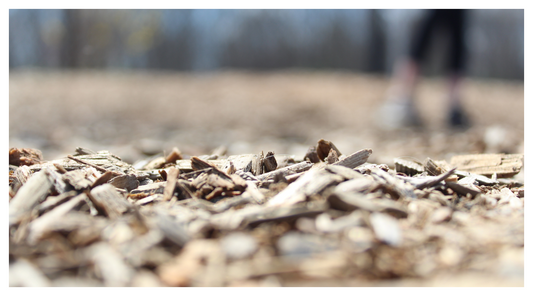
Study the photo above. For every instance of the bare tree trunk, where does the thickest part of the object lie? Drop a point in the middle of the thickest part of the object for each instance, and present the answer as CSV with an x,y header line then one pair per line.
x,y
376,61
70,49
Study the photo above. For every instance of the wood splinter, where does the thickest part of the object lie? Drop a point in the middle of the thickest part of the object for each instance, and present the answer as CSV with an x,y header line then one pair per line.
x,y
172,178
99,168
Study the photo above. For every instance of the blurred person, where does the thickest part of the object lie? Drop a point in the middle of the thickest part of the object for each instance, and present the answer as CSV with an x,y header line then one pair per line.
x,y
399,109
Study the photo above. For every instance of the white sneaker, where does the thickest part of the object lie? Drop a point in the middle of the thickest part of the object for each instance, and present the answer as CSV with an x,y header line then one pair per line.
x,y
397,114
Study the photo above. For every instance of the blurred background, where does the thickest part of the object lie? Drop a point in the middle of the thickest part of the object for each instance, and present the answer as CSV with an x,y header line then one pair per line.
x,y
363,40
139,82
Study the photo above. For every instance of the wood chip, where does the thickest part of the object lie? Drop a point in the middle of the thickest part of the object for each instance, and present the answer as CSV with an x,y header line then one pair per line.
x,y
115,272
386,229
257,165
289,170
504,165
426,182
217,181
22,273
173,231
290,213
127,182
21,175
345,201
171,183
355,159
311,155
463,189
254,193
109,201
360,184
84,151
150,189
57,180
77,180
343,171
478,178
34,191
440,215
40,226
104,178
433,168
54,201
219,225
323,147
149,199
173,156
99,168
310,183
184,191
408,165
199,164
350,201
400,188
231,170
60,168
239,161
24,156
332,157
216,192
269,162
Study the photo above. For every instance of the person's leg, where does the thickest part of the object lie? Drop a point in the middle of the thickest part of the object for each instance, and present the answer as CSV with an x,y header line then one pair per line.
x,y
404,80
456,23
454,88
399,109
457,117
454,20
407,72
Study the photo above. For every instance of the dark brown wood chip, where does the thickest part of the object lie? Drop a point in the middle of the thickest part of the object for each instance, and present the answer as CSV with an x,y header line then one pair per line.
x,y
173,156
269,162
25,156
311,155
104,178
323,147
199,164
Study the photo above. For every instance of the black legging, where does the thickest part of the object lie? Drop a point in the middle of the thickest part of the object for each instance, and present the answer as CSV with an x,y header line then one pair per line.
x,y
452,20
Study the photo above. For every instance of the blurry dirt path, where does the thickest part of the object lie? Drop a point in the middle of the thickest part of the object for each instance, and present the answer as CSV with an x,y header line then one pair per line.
x,y
286,112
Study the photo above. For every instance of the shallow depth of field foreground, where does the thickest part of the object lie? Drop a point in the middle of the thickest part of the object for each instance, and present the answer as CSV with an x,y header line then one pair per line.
x,y
260,179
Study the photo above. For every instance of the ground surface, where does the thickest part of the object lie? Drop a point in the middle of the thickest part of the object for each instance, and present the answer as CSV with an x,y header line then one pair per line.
x,y
137,114
286,112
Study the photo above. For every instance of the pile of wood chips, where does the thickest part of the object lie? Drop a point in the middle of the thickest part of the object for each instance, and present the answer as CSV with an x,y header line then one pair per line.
x,y
91,219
